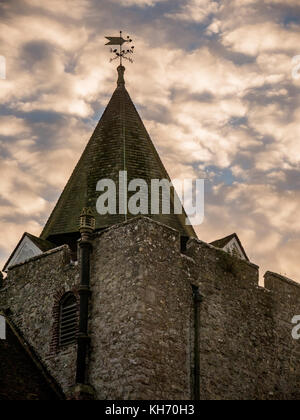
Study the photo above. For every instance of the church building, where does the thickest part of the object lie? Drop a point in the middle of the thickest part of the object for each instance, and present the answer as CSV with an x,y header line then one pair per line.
x,y
127,306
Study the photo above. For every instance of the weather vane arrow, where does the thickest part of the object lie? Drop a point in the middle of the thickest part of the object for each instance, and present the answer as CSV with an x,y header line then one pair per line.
x,y
115,40
119,53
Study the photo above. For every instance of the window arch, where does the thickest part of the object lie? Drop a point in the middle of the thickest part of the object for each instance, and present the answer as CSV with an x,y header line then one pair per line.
x,y
68,320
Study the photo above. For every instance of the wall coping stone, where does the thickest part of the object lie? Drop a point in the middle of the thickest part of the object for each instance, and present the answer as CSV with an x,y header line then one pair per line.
x,y
198,241
38,257
282,278
134,220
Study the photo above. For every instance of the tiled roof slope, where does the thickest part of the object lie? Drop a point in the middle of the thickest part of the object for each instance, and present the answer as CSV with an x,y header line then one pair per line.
x,y
220,243
102,158
22,376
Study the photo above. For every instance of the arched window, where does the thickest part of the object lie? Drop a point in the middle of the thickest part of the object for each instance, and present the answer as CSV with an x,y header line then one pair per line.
x,y
68,325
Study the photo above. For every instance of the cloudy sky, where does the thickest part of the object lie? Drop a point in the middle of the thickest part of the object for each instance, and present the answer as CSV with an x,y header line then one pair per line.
x,y
216,83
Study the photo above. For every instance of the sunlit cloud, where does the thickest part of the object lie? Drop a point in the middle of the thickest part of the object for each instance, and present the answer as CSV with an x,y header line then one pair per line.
x,y
196,10
139,3
262,37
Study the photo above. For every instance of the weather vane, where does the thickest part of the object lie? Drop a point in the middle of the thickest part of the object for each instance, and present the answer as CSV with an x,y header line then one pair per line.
x,y
119,53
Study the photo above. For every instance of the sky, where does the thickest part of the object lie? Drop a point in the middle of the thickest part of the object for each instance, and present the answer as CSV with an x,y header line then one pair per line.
x,y
216,83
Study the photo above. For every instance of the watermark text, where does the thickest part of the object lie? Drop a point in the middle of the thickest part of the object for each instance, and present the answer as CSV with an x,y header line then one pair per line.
x,y
2,67
158,196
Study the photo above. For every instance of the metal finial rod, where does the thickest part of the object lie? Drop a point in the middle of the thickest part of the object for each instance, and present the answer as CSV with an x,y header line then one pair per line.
x,y
120,49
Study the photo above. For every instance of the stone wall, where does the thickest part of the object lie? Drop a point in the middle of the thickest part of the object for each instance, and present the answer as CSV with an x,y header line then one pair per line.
x,y
246,347
30,295
143,307
142,318
286,353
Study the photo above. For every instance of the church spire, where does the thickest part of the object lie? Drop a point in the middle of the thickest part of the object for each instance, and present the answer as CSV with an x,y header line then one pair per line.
x,y
119,143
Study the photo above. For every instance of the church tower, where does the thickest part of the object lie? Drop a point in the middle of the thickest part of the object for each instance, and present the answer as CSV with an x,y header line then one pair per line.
x,y
94,279
135,307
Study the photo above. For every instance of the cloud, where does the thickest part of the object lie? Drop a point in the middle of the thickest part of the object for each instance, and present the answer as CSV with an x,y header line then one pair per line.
x,y
13,126
196,10
139,3
262,37
74,9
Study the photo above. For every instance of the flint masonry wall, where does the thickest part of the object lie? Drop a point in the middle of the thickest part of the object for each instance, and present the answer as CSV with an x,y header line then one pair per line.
x,y
143,307
246,347
141,318
30,293
286,303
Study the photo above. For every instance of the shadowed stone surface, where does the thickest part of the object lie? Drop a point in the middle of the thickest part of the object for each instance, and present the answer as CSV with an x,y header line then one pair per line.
x,y
30,294
20,378
141,319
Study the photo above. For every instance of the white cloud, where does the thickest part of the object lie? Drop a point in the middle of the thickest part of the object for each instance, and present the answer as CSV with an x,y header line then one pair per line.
x,y
140,3
75,9
254,39
196,10
13,126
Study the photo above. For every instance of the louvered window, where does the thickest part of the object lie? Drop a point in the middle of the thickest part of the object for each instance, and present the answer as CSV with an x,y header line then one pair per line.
x,y
68,320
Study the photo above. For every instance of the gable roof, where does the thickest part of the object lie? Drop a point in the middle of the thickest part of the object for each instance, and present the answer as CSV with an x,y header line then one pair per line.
x,y
120,141
40,244
23,376
221,243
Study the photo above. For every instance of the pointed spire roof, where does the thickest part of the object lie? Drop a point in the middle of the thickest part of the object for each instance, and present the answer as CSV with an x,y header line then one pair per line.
x,y
120,141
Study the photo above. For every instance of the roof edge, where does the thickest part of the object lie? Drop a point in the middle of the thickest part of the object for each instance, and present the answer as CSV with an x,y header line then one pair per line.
x,y
35,358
